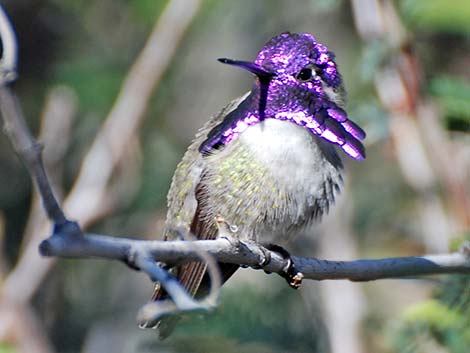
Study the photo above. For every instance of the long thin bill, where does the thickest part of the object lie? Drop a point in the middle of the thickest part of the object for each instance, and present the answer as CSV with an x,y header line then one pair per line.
x,y
249,66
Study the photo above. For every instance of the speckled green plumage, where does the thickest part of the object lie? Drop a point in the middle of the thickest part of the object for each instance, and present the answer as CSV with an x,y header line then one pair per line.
x,y
242,189
270,182
181,197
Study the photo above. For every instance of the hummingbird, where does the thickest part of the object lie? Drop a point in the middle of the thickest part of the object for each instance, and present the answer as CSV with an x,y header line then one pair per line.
x,y
268,162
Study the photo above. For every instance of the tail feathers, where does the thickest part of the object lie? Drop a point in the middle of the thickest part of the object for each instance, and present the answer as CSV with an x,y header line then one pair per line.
x,y
167,324
193,276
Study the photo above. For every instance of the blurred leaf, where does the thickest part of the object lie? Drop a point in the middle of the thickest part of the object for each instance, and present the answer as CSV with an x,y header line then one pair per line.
x,y
146,11
454,97
369,114
6,348
96,82
434,314
456,243
325,5
438,15
443,322
157,173
372,57
219,344
251,319
79,7
456,294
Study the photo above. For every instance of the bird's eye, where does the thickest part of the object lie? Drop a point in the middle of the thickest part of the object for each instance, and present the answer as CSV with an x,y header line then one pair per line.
x,y
304,75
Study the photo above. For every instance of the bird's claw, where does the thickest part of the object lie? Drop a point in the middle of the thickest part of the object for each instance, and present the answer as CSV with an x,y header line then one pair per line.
x,y
265,259
289,272
296,280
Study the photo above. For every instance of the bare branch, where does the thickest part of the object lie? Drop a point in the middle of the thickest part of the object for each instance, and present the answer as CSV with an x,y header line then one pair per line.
x,y
10,50
68,241
15,124
143,254
54,132
105,153
3,264
87,201
251,254
180,301
30,151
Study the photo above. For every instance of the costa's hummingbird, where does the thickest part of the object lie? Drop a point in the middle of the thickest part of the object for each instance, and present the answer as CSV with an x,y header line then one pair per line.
x,y
267,162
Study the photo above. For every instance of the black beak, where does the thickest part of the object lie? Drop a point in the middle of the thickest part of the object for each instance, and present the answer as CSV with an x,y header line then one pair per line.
x,y
250,66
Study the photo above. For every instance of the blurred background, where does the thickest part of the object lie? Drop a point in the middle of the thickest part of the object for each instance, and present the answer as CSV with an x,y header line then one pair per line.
x,y
141,77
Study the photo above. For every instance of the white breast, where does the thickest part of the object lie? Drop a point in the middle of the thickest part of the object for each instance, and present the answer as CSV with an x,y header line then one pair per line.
x,y
291,152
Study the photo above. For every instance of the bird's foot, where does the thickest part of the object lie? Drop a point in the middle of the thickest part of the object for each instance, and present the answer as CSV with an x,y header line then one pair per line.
x,y
227,230
289,272
265,258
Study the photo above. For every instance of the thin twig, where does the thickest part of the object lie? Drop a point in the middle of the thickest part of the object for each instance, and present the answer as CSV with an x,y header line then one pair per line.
x,y
424,151
9,56
109,145
56,126
136,253
30,150
15,124
151,312
3,264
88,197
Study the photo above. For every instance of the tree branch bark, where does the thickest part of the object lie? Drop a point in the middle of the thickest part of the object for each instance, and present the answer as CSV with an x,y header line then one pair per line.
x,y
87,201
225,249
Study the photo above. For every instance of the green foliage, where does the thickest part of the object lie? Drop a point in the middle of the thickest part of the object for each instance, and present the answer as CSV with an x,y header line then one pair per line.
x,y
163,160
453,95
325,5
442,323
95,82
6,348
373,57
437,15
457,242
251,319
145,11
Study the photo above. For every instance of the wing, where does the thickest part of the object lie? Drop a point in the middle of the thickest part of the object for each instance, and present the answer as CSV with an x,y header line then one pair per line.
x,y
186,214
181,198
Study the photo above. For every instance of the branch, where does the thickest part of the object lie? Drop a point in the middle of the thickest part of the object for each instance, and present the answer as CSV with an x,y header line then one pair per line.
x,y
118,130
88,199
55,129
10,50
15,125
225,249
143,254
69,241
30,150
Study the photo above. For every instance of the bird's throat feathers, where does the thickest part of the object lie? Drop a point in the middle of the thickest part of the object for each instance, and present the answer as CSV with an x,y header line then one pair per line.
x,y
300,84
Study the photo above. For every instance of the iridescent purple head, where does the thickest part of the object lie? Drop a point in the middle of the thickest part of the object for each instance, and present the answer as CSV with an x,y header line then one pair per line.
x,y
298,81
291,55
